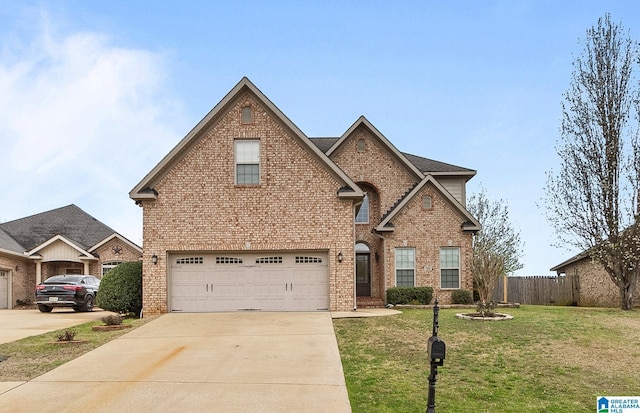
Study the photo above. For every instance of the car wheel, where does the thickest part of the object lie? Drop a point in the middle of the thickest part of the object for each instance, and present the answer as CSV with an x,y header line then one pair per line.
x,y
88,303
44,308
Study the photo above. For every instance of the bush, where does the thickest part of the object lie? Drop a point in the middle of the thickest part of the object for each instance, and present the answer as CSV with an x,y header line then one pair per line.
x,y
112,320
121,289
67,335
461,297
409,295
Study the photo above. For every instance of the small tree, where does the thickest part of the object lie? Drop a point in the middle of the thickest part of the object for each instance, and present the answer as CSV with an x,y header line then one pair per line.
x,y
496,248
121,289
593,202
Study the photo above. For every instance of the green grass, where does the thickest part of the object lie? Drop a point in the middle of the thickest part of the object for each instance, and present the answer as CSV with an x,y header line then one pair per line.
x,y
36,355
547,359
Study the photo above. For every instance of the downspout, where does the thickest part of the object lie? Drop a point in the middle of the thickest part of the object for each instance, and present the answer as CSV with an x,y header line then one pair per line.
x,y
353,243
384,266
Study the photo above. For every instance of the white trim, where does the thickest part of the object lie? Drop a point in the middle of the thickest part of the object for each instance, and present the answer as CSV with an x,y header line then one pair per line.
x,y
120,237
85,254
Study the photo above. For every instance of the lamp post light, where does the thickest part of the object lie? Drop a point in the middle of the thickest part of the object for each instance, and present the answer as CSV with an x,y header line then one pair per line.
x,y
436,350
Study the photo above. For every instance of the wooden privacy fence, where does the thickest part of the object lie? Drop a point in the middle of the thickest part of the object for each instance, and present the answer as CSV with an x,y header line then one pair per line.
x,y
550,290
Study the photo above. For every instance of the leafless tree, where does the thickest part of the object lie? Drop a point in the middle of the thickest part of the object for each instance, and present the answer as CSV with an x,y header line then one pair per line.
x,y
592,201
496,248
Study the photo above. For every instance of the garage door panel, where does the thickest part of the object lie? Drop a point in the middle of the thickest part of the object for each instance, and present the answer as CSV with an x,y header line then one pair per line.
x,y
250,281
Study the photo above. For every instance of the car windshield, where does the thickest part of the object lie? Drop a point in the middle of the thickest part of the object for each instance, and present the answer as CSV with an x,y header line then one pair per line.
x,y
63,279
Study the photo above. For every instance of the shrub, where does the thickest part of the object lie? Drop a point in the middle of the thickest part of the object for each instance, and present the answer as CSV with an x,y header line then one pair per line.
x,y
67,335
409,295
461,297
112,320
121,289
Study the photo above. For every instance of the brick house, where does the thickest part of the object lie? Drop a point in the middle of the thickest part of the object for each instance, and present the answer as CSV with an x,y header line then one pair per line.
x,y
65,240
593,285
248,213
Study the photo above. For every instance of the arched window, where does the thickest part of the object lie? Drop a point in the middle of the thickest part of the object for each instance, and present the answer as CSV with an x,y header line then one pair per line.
x,y
109,265
247,114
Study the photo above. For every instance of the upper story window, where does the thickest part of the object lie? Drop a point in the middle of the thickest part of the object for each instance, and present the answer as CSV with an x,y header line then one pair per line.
x,y
247,114
247,153
362,145
427,202
363,213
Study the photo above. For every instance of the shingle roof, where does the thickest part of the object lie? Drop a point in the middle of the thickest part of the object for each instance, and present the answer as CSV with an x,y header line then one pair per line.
x,y
8,243
430,166
423,164
70,222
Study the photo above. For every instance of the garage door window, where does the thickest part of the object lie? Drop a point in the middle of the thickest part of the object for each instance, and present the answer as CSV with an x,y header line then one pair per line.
x,y
269,260
190,260
228,260
308,260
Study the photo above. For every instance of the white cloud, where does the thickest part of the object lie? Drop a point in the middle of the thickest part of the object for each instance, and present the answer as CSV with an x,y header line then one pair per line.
x,y
81,121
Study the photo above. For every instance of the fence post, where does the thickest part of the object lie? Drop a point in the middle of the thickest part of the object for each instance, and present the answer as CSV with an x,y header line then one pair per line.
x,y
504,289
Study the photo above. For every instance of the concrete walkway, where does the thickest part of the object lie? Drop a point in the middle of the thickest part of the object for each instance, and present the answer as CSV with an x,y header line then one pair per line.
x,y
215,362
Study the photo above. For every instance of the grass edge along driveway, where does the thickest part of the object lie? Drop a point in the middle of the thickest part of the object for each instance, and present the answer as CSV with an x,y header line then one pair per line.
x,y
545,359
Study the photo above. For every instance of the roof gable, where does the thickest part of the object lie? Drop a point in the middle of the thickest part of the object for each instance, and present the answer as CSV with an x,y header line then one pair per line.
x,y
145,190
471,224
70,221
364,122
70,245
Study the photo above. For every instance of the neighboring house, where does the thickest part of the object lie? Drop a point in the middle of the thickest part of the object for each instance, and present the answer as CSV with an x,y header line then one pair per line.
x,y
248,213
595,287
66,240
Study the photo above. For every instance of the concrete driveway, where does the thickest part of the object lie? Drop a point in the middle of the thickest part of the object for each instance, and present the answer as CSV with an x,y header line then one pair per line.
x,y
17,324
219,362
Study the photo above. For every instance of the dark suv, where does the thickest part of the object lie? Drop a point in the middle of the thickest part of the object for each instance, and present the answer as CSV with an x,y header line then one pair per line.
x,y
77,291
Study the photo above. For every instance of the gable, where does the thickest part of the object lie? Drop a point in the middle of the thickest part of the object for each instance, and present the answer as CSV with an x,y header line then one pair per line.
x,y
442,201
376,165
268,119
59,248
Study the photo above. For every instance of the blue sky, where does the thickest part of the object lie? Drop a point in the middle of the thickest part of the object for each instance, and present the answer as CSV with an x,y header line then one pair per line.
x,y
93,94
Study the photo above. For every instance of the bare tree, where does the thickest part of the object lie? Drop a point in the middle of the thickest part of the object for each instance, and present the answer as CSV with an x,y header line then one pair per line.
x,y
592,202
496,248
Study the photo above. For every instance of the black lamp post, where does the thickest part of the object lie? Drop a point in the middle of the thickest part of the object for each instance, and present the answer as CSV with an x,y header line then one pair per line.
x,y
436,350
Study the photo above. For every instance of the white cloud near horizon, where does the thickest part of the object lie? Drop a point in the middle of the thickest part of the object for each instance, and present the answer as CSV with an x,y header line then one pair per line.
x,y
81,121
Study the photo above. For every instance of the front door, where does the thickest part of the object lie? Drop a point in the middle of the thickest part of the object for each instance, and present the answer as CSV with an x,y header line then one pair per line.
x,y
363,275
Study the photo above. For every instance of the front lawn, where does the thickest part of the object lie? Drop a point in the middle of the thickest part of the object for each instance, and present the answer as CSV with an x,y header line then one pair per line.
x,y
546,359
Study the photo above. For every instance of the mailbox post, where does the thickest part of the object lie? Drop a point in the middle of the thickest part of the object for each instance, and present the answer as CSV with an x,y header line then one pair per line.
x,y
436,350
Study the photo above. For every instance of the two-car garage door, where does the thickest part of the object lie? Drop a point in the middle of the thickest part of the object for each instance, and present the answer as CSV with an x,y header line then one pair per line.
x,y
273,281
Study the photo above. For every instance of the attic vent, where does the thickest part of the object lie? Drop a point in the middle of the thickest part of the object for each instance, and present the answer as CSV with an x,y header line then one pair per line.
x,y
269,260
308,260
362,145
427,202
247,114
228,260
190,260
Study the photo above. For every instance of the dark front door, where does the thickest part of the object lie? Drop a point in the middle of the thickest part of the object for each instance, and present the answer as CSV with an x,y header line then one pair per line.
x,y
363,276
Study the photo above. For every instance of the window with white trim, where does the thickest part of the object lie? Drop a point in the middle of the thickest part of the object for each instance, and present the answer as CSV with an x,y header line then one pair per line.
x,y
405,267
363,214
109,265
247,157
450,267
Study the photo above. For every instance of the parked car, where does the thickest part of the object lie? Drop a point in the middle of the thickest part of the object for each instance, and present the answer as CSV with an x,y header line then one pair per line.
x,y
76,291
